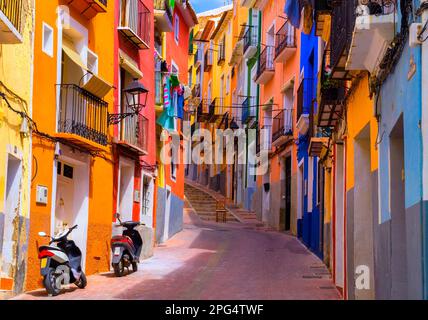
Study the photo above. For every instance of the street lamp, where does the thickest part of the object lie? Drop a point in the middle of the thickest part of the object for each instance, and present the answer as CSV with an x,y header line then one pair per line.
x,y
136,99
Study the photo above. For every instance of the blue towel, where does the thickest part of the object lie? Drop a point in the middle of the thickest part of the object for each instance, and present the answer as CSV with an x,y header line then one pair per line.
x,y
293,10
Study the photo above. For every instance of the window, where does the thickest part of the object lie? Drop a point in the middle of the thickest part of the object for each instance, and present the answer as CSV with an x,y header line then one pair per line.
x,y
92,62
228,84
176,28
47,40
190,76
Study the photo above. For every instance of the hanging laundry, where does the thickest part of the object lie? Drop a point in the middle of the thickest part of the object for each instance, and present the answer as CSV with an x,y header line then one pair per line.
x,y
180,106
164,67
174,81
293,10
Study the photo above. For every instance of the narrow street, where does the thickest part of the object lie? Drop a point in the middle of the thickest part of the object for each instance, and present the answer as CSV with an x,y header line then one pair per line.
x,y
216,261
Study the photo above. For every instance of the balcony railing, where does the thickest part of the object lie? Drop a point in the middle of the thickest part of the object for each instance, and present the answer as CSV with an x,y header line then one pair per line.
x,y
282,124
208,58
266,61
134,131
342,28
248,109
13,10
221,53
83,114
285,39
135,23
163,15
305,95
158,88
250,38
163,5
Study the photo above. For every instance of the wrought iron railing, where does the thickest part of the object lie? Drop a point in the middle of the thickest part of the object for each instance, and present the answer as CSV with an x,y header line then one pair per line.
x,y
250,38
245,110
342,27
134,130
82,113
137,18
305,95
13,10
266,60
285,38
163,5
282,124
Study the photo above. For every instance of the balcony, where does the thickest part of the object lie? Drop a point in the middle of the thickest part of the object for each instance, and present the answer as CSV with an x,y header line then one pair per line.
x,y
373,32
305,96
89,8
248,110
221,57
318,146
342,27
135,23
133,134
82,117
250,42
11,21
282,129
216,109
205,110
163,15
208,60
248,3
332,103
285,43
198,58
266,66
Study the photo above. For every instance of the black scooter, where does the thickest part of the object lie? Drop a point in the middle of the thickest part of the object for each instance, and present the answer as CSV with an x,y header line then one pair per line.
x,y
126,248
61,263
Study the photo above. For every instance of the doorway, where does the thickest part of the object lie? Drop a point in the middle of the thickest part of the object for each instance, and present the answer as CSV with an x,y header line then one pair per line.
x,y
11,213
362,225
287,194
398,212
126,189
339,215
147,200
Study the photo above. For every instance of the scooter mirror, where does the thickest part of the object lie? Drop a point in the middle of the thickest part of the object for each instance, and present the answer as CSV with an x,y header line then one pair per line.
x,y
42,234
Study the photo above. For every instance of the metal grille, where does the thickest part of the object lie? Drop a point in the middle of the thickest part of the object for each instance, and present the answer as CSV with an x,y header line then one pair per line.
x,y
13,10
82,113
285,38
266,62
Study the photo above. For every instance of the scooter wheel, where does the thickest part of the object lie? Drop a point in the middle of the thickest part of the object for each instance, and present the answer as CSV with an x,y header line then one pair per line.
x,y
134,267
119,268
49,281
81,284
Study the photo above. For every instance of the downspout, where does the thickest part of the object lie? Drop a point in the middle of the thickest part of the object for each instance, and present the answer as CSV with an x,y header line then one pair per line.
x,y
424,128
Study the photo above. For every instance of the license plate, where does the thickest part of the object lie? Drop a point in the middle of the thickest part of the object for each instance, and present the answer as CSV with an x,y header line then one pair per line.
x,y
43,263
117,251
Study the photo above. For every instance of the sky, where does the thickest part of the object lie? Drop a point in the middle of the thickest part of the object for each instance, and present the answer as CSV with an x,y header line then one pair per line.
x,y
204,5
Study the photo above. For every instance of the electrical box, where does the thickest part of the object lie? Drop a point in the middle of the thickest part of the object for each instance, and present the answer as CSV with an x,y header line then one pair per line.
x,y
137,196
414,32
42,195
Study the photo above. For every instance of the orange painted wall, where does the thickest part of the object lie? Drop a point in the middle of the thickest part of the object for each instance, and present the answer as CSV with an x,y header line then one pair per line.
x,y
44,114
359,114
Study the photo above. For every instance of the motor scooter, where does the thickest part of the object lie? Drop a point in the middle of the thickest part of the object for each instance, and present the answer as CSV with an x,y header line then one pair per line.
x,y
126,248
61,263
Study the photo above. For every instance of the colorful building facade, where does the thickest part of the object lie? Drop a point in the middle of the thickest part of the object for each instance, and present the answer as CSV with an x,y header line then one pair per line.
x,y
16,102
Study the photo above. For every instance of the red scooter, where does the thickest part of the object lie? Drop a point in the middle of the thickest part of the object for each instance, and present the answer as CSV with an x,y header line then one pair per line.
x,y
126,248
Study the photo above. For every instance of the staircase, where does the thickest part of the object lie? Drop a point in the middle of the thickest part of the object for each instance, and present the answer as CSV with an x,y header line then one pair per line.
x,y
204,204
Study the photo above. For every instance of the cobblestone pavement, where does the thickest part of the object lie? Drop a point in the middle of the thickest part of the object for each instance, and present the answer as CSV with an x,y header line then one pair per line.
x,y
216,261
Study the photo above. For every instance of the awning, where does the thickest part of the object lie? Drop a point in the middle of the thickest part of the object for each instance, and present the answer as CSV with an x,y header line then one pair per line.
x,y
130,65
97,86
74,56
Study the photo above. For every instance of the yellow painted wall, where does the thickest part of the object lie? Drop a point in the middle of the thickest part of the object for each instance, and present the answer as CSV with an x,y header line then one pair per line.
x,y
360,113
15,82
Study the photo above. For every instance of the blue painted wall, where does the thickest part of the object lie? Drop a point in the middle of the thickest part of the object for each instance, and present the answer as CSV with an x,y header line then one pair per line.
x,y
309,226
